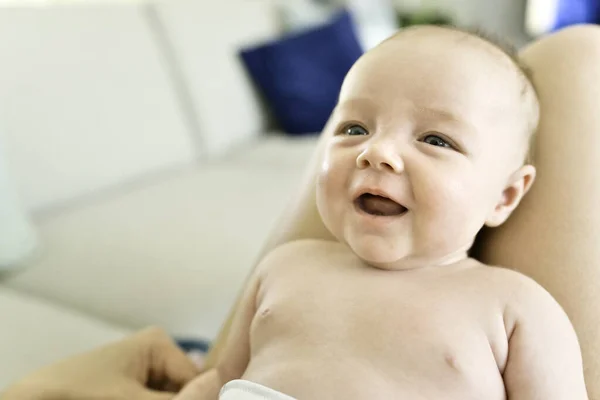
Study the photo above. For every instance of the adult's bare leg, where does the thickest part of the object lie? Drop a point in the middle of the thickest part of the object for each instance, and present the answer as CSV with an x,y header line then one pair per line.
x,y
554,235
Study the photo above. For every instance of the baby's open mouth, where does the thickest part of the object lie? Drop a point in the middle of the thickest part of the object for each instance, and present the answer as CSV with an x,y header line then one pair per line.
x,y
378,205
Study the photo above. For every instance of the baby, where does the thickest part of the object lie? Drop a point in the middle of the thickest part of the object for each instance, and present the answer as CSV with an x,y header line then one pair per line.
x,y
427,144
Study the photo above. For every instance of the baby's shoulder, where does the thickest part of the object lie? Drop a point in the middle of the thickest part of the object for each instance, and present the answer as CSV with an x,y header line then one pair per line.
x,y
522,296
301,251
305,247
510,283
502,276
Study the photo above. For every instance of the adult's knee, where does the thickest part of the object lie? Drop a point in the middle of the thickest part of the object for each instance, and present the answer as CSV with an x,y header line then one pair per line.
x,y
573,44
583,35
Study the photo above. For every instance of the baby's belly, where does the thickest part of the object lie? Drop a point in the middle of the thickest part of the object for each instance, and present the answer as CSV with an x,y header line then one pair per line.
x,y
308,374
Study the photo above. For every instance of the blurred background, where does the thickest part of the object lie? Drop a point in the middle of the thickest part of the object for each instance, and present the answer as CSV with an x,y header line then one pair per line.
x,y
147,148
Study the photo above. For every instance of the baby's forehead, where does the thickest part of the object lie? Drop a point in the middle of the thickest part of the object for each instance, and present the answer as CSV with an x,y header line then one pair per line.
x,y
457,39
448,59
429,62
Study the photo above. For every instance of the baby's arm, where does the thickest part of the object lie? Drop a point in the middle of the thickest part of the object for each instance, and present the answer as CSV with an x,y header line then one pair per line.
x,y
235,356
544,359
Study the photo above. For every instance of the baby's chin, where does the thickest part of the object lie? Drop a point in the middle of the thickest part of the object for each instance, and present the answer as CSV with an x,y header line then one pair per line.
x,y
391,257
383,256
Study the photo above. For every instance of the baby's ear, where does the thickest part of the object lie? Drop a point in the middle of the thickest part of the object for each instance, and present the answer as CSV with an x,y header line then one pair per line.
x,y
518,185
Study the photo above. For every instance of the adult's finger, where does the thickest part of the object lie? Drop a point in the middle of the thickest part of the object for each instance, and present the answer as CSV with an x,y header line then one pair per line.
x,y
167,363
154,395
206,385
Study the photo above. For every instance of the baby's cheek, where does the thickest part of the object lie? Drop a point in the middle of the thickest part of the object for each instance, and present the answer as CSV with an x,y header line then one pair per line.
x,y
327,185
450,201
324,179
454,203
439,189
470,205
330,188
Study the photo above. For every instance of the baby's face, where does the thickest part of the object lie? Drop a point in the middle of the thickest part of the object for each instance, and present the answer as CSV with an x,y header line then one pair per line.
x,y
427,136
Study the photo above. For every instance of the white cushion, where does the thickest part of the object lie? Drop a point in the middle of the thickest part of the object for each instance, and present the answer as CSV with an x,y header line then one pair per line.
x,y
205,38
173,252
35,333
274,150
17,236
86,100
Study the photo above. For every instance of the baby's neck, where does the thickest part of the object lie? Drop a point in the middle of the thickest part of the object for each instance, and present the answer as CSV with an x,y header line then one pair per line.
x,y
425,262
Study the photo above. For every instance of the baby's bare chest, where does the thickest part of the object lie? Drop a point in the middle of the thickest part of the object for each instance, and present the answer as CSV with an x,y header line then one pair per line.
x,y
428,326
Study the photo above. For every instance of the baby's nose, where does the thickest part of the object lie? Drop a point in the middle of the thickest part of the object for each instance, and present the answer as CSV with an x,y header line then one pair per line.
x,y
381,159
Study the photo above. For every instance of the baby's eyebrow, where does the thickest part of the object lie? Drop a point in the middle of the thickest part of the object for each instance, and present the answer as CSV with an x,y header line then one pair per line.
x,y
446,115
436,112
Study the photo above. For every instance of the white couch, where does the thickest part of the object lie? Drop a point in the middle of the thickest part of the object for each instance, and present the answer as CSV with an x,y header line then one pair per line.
x,y
138,147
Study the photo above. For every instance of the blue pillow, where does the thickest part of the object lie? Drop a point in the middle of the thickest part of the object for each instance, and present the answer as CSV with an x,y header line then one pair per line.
x,y
301,74
572,12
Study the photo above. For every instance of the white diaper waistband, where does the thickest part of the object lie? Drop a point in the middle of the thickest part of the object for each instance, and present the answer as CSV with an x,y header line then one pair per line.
x,y
240,389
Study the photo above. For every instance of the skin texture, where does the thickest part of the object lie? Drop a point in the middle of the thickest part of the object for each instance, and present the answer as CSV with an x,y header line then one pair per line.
x,y
395,308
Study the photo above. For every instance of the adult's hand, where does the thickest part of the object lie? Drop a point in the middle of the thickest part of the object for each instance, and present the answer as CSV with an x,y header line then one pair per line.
x,y
205,386
145,366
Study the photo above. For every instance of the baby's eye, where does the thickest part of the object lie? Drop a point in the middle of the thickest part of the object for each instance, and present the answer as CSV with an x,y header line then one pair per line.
x,y
355,130
435,140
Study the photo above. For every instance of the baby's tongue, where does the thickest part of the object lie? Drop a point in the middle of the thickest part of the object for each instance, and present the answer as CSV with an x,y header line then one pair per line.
x,y
378,205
